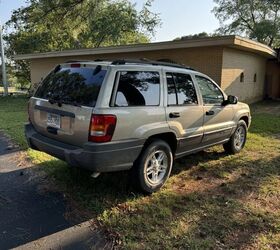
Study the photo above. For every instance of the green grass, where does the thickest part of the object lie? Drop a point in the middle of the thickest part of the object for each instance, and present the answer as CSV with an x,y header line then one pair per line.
x,y
212,200
13,116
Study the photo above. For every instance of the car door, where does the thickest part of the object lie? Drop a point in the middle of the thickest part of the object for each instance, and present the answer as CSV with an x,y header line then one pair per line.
x,y
218,118
137,103
183,111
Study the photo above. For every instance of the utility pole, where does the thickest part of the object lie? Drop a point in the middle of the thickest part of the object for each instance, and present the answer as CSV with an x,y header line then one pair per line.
x,y
4,75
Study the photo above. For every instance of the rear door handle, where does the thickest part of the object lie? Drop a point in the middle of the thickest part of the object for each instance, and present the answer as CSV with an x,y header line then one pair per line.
x,y
174,115
211,112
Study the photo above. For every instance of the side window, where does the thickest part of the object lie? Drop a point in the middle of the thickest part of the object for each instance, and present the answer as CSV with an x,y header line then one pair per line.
x,y
185,89
211,94
138,88
181,89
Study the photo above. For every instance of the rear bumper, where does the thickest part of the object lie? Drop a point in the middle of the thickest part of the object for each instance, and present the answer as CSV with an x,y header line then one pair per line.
x,y
105,157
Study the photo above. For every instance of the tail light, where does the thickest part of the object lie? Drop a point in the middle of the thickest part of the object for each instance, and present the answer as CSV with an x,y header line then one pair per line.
x,y
75,65
102,128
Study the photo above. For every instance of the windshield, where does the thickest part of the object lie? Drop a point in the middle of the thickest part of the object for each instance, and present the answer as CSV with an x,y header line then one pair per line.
x,y
79,86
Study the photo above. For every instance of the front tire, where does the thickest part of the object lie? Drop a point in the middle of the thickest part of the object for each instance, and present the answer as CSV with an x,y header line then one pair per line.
x,y
153,167
238,139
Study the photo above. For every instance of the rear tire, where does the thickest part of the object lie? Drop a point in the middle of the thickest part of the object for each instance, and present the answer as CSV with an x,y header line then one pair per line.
x,y
153,167
238,139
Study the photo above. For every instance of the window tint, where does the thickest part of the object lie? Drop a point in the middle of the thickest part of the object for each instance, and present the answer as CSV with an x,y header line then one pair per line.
x,y
138,88
79,86
211,94
181,90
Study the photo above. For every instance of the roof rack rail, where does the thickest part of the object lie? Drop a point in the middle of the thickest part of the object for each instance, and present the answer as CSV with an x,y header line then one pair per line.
x,y
150,62
76,61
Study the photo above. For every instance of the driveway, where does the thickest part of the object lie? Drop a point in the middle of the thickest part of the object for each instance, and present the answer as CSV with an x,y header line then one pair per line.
x,y
31,216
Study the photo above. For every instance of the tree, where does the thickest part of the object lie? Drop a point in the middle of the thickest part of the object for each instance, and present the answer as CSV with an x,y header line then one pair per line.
x,y
199,35
68,24
11,79
257,19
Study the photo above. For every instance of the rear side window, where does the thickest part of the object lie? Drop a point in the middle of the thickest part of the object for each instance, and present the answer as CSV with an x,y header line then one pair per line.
x,y
181,89
79,86
138,88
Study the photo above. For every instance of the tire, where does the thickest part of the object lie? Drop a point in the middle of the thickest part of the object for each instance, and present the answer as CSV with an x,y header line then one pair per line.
x,y
238,139
153,167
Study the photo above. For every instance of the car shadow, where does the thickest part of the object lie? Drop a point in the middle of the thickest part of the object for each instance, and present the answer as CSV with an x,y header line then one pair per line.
x,y
189,161
27,214
31,209
7,146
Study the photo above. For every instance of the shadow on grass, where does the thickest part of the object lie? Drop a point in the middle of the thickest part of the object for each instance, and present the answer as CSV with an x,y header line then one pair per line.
x,y
222,214
215,212
94,194
109,189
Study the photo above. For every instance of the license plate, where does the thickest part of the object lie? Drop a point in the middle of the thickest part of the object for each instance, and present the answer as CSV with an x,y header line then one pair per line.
x,y
53,120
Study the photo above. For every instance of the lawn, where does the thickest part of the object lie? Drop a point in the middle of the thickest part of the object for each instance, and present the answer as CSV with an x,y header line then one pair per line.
x,y
13,116
212,200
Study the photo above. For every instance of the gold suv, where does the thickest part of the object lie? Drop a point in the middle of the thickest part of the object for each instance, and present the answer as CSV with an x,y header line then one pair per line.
x,y
135,115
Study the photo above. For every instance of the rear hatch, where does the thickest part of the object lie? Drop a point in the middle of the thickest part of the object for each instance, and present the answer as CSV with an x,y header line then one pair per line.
x,y
63,104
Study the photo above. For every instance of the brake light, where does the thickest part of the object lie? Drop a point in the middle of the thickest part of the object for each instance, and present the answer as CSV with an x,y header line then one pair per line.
x,y
75,65
102,128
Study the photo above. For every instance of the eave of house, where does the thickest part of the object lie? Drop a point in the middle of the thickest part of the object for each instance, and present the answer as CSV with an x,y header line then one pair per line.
x,y
224,41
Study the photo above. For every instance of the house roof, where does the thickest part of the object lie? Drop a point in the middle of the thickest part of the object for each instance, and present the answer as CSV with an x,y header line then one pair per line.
x,y
225,41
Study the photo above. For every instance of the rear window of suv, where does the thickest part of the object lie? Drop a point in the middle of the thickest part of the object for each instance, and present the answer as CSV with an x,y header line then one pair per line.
x,y
77,85
138,88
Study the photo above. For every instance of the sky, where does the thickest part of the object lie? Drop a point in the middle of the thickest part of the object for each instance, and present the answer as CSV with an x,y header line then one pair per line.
x,y
178,17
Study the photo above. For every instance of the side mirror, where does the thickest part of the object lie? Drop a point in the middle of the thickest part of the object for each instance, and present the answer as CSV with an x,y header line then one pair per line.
x,y
232,99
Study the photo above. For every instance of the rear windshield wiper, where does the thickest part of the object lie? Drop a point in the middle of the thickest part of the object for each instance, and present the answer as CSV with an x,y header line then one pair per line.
x,y
53,101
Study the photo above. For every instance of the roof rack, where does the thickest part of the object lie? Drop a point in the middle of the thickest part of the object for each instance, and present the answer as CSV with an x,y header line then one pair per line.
x,y
77,61
150,62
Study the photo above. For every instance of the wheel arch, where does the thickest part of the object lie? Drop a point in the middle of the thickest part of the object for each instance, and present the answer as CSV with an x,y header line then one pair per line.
x,y
245,119
169,137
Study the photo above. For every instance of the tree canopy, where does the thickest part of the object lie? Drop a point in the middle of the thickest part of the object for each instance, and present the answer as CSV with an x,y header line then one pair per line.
x,y
194,36
257,19
61,24
69,24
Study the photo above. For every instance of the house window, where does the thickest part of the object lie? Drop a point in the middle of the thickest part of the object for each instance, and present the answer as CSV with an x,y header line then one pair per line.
x,y
242,77
255,77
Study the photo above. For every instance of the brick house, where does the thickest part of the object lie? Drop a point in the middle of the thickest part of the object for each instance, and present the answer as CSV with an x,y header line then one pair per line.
x,y
242,67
